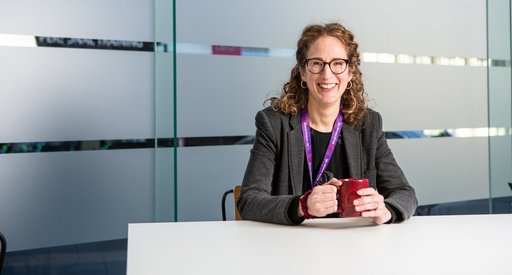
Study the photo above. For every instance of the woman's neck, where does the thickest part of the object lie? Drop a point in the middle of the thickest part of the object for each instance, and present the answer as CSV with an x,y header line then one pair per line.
x,y
322,119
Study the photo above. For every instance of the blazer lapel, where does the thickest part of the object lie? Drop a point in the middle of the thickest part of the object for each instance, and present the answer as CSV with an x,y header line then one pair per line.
x,y
295,154
353,148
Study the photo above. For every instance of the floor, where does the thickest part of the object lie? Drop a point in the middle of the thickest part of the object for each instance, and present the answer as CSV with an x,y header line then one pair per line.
x,y
98,258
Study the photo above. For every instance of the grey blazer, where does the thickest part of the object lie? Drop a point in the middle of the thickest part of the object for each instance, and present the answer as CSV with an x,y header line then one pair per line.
x,y
274,174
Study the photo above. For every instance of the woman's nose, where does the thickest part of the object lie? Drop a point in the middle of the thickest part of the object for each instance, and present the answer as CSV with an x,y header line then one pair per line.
x,y
327,71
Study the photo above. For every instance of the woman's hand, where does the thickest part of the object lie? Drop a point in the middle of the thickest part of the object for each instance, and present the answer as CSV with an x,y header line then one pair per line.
x,y
371,204
322,200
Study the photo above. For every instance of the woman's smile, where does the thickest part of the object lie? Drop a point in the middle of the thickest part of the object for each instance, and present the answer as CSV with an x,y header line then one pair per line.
x,y
327,87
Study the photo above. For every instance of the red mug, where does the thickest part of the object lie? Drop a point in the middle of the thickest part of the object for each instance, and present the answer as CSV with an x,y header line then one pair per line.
x,y
347,195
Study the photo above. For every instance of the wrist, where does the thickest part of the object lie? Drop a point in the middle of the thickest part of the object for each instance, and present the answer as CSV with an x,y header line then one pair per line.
x,y
303,202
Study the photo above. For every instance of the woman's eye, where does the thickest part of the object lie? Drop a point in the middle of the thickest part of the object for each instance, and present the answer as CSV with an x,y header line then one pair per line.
x,y
338,63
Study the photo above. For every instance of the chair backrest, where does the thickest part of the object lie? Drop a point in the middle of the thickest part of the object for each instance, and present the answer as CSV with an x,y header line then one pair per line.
x,y
3,248
236,192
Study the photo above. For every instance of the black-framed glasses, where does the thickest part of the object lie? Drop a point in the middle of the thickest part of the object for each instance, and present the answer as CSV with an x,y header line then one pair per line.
x,y
337,66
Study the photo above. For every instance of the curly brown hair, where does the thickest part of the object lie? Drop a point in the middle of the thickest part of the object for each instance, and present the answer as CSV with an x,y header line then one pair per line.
x,y
294,97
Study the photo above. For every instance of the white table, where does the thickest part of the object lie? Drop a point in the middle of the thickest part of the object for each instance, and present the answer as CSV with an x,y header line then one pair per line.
x,y
474,244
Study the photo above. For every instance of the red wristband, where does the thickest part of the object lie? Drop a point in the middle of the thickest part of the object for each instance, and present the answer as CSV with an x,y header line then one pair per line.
x,y
304,205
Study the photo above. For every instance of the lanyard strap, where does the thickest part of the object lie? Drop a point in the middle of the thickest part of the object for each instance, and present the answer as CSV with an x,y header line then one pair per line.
x,y
306,134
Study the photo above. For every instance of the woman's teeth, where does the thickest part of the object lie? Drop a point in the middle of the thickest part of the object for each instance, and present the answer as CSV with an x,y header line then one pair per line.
x,y
327,86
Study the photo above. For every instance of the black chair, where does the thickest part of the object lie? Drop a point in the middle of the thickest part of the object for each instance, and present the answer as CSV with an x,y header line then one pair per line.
x,y
3,246
236,193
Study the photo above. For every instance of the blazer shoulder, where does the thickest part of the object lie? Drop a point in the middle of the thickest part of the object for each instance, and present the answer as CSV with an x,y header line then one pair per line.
x,y
372,115
270,113
273,117
372,121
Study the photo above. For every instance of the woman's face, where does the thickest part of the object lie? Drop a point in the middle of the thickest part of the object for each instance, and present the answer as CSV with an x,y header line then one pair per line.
x,y
326,88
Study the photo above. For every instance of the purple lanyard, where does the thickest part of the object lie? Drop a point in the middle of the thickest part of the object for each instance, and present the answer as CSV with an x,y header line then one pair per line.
x,y
306,133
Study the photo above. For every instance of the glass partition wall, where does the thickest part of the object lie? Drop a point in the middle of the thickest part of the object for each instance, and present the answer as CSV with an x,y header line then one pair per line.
x,y
77,156
428,78
500,102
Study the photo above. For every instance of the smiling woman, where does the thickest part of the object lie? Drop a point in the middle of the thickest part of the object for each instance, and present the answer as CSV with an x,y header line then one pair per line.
x,y
321,125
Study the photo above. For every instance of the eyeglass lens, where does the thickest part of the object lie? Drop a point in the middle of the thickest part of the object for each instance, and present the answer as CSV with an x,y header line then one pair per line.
x,y
317,66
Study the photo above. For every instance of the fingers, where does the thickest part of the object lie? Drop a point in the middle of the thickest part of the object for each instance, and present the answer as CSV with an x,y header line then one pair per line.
x,y
335,182
322,200
369,199
371,204
326,188
320,209
380,216
367,191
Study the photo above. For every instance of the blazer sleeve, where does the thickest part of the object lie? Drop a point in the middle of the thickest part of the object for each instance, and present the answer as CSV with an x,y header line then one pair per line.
x,y
257,201
391,181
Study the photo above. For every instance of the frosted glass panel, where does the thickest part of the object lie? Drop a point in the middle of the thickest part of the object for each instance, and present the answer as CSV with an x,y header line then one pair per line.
x,y
501,165
164,94
457,91
53,199
60,94
416,97
500,99
164,185
220,95
444,169
498,13
53,94
452,28
204,174
500,115
113,19
164,20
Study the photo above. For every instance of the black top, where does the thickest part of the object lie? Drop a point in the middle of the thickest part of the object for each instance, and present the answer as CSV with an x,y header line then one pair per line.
x,y
338,164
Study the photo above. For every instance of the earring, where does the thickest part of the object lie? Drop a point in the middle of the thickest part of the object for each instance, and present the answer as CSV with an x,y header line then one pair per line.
x,y
303,86
348,88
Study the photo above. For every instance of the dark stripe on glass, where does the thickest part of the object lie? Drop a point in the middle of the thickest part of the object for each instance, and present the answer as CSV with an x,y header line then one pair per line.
x,y
91,145
98,44
78,145
168,142
215,141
